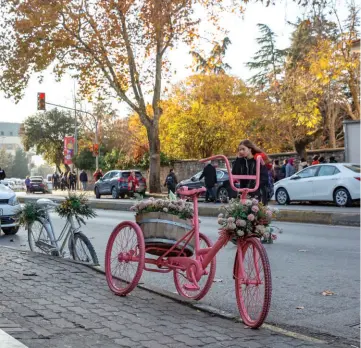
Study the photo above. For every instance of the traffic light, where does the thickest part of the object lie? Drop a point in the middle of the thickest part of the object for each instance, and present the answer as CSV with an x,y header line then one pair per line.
x,y
95,150
41,101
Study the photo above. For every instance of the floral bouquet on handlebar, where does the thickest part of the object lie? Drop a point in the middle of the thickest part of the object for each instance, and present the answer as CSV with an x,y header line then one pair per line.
x,y
241,219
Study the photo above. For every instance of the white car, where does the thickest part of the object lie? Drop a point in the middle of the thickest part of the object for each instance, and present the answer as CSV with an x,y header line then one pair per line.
x,y
9,205
337,182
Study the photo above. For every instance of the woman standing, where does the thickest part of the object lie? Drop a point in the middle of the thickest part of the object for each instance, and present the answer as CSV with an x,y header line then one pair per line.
x,y
245,164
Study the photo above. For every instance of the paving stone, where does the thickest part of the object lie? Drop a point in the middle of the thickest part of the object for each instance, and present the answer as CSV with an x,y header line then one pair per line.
x,y
70,305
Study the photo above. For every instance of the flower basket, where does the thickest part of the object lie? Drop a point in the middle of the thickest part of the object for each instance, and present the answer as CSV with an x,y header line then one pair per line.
x,y
30,213
164,223
242,219
162,231
75,206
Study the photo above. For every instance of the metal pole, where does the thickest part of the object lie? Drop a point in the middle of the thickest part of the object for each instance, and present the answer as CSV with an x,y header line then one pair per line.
x,y
75,137
96,142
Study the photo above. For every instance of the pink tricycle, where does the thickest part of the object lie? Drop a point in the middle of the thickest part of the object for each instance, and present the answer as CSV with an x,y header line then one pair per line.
x,y
133,248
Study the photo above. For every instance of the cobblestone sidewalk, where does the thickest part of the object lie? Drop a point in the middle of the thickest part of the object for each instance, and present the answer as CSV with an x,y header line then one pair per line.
x,y
54,303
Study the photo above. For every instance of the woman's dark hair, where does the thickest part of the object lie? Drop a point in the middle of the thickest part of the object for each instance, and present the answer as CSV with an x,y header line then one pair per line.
x,y
171,170
316,157
285,161
322,159
332,158
277,162
303,160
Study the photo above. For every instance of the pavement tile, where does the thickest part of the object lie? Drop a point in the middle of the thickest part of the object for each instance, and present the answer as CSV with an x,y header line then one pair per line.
x,y
70,305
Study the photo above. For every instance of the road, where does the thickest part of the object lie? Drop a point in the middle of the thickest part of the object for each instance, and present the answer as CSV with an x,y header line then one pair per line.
x,y
305,261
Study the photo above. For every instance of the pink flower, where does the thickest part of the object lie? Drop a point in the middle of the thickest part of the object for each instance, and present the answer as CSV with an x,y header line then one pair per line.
x,y
250,217
273,236
269,213
254,201
255,209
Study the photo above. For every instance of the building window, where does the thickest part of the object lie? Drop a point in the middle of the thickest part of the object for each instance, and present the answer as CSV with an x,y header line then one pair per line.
x,y
11,134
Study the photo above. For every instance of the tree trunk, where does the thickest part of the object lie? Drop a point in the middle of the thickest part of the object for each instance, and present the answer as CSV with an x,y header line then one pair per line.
x,y
154,160
300,144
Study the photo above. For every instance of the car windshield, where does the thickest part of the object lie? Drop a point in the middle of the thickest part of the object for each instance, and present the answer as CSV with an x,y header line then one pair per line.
x,y
354,167
36,180
127,174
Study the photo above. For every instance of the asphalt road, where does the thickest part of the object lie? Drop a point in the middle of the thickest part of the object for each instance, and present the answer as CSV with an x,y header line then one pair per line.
x,y
305,261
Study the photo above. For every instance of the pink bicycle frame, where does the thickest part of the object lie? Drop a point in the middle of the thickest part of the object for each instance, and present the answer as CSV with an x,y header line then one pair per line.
x,y
234,178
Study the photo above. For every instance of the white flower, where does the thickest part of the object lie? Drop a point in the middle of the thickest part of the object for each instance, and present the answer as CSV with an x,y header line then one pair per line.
x,y
240,233
248,202
221,221
231,219
260,229
220,216
255,201
165,210
242,223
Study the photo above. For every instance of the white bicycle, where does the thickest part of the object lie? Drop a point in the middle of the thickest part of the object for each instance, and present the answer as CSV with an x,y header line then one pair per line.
x,y
42,238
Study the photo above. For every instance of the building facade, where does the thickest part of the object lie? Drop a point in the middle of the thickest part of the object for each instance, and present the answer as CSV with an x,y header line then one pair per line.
x,y
10,139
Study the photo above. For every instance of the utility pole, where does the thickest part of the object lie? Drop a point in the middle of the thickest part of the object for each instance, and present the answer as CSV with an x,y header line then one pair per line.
x,y
75,136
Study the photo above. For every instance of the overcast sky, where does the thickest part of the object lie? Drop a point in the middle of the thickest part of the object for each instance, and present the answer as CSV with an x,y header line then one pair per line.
x,y
242,32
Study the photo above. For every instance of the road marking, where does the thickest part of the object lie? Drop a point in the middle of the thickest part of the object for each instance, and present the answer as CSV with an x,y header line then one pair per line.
x,y
293,334
7,341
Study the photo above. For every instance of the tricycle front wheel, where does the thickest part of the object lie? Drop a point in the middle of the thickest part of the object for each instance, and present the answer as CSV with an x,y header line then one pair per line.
x,y
184,285
124,258
252,274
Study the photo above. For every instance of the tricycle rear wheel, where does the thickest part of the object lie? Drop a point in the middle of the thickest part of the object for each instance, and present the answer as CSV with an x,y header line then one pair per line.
x,y
124,258
205,283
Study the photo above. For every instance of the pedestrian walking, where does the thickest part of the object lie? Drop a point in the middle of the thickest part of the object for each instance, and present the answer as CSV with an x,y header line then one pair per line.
x,y
283,169
303,164
333,159
290,169
276,171
171,181
245,164
27,184
72,181
133,183
315,160
210,179
2,174
55,180
83,178
97,174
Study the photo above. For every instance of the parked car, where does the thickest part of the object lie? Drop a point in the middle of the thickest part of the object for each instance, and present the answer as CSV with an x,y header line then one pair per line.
x,y
115,183
37,184
337,182
9,206
223,189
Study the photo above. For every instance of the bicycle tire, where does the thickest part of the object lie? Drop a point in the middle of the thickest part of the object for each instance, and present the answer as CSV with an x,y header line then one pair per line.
x,y
75,255
48,233
253,320
204,287
131,243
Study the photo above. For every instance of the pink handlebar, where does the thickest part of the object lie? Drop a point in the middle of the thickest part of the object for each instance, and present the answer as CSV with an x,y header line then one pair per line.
x,y
233,178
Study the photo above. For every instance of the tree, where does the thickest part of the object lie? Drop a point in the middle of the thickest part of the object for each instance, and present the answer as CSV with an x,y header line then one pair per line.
x,y
46,132
268,61
116,45
20,165
85,160
6,162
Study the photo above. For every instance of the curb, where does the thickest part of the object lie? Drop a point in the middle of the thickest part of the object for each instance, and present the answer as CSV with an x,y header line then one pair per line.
x,y
300,216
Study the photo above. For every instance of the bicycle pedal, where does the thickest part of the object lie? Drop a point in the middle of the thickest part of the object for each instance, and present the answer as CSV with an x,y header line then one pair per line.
x,y
191,287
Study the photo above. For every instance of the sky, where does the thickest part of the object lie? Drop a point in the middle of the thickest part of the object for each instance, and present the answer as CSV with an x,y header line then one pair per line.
x,y
242,33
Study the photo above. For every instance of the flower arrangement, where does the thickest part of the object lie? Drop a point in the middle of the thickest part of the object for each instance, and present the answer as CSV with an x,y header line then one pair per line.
x,y
29,213
75,206
242,219
178,207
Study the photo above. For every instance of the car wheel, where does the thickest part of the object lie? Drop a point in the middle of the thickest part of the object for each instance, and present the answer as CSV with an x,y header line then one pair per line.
x,y
282,197
115,193
222,195
342,197
10,230
97,194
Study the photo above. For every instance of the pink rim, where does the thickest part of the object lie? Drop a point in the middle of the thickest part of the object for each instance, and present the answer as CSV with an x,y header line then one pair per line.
x,y
253,300
123,276
205,282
